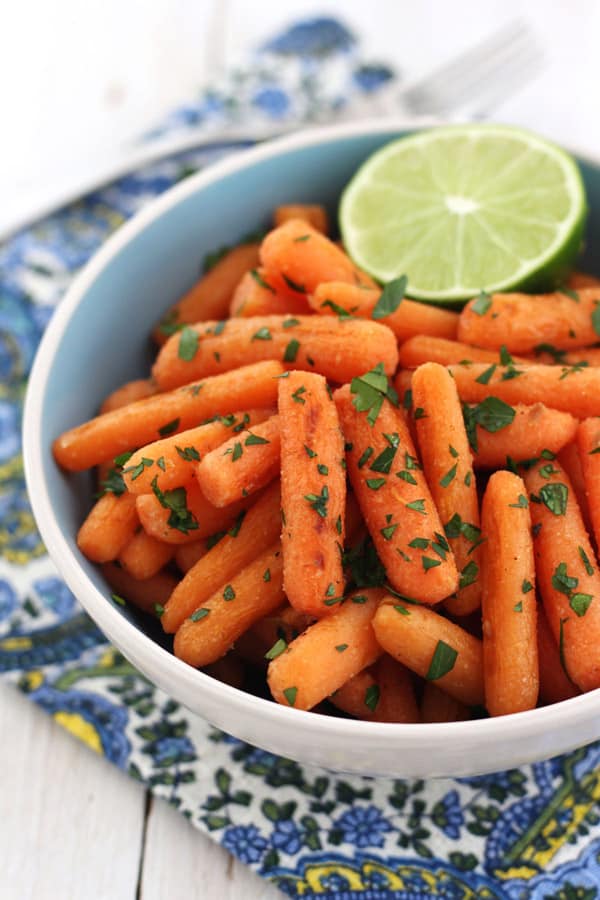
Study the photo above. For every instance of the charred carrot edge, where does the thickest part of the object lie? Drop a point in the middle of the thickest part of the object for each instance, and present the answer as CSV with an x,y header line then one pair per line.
x,y
588,444
229,669
140,423
554,684
187,555
433,647
570,460
313,213
143,556
438,706
128,393
394,497
184,514
510,658
571,389
567,572
521,322
149,595
255,296
338,349
171,461
259,528
313,493
304,258
274,631
242,465
534,429
448,469
408,319
210,297
423,348
344,644
216,624
108,527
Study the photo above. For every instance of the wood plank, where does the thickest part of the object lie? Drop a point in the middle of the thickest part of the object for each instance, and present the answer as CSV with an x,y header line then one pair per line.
x,y
181,862
72,823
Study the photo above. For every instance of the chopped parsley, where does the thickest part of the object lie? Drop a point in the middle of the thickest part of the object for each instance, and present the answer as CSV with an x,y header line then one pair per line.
x,y
228,593
585,560
297,395
383,462
293,285
188,344
186,453
375,483
338,310
318,502
169,428
365,456
261,281
370,390
372,697
175,501
449,476
199,614
263,334
554,497
254,439
417,506
279,647
291,351
290,694
481,305
391,298
310,453
442,662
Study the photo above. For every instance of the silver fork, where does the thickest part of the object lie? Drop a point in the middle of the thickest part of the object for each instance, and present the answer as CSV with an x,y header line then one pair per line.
x,y
469,86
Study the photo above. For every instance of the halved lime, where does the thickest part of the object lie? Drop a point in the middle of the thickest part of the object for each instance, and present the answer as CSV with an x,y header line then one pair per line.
x,y
463,208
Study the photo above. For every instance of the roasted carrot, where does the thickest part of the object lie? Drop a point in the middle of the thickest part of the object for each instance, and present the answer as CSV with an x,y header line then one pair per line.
x,y
567,572
210,297
313,493
217,623
510,659
255,296
259,528
549,355
343,643
337,349
570,460
284,625
588,444
313,213
533,429
571,389
423,348
392,492
521,322
143,556
381,693
242,465
128,393
171,461
433,647
438,706
184,514
149,595
448,470
187,555
579,280
304,258
108,527
554,684
407,319
140,423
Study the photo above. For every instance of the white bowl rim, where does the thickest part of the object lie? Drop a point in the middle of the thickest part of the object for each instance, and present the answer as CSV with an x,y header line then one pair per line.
x,y
149,654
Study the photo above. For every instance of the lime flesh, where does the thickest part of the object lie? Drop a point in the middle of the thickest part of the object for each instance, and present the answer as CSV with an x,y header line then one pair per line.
x,y
465,208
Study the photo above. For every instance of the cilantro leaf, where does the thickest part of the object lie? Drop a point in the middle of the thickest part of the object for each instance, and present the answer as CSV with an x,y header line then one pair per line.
x,y
188,344
391,298
442,662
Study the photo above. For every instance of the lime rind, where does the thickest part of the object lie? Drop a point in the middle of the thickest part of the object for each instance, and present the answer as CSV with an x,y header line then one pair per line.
x,y
534,232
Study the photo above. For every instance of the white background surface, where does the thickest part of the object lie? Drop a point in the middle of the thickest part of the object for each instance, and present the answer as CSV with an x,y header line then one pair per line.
x,y
75,79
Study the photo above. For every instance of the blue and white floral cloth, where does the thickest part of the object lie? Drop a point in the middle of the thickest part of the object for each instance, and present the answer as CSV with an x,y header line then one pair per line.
x,y
527,833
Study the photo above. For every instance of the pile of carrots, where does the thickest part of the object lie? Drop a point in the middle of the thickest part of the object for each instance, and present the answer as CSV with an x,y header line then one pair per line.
x,y
392,508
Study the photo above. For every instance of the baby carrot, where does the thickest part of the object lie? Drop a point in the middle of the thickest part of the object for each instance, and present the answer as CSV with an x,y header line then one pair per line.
x,y
549,355
128,393
570,460
255,296
109,525
521,322
259,528
337,349
242,465
406,320
381,693
149,595
187,555
578,280
313,493
219,621
448,469
423,348
433,647
533,429
140,423
210,297
571,389
143,556
567,572
183,514
304,258
392,492
172,460
285,624
554,684
588,444
343,643
510,659
438,706
312,213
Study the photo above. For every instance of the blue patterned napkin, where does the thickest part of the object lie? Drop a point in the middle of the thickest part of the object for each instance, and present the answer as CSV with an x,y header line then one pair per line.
x,y
527,833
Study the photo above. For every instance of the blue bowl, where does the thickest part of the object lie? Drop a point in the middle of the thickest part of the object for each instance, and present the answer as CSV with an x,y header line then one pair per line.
x,y
99,338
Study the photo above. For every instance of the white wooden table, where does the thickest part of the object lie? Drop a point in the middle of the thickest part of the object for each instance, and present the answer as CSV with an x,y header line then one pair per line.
x,y
72,826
